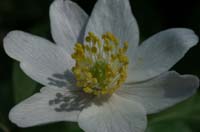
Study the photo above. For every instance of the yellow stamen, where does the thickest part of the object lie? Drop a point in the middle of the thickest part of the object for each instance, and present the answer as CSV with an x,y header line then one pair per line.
x,y
101,65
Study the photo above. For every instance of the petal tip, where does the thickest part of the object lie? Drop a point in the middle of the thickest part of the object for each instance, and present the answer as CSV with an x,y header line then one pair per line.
x,y
13,117
194,37
196,82
191,37
8,41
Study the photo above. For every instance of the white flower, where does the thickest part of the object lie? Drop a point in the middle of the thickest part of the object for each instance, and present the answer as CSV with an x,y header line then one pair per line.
x,y
90,87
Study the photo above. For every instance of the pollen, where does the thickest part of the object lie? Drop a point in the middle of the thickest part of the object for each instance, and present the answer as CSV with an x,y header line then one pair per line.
x,y
101,64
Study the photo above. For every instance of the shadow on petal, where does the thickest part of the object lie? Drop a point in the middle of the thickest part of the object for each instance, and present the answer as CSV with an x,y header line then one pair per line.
x,y
63,80
71,101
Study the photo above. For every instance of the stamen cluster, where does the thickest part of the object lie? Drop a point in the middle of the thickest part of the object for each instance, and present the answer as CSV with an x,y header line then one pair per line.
x,y
101,65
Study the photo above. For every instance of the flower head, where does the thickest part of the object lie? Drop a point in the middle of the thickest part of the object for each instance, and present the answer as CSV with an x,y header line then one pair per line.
x,y
97,74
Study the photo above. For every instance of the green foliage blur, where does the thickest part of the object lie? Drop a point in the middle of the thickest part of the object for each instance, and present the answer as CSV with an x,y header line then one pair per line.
x,y
152,15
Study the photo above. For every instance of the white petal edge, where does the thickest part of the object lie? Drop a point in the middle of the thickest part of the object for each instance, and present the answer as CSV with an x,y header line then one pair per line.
x,y
36,110
115,16
114,115
160,52
161,92
68,22
40,59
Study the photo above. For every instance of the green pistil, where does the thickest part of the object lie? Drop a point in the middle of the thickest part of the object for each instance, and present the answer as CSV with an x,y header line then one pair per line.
x,y
98,71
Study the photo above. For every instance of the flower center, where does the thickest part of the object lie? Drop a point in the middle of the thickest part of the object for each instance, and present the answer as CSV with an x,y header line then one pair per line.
x,y
101,65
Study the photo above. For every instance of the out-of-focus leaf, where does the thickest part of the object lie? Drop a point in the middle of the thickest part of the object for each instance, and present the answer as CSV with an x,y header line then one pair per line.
x,y
23,86
55,127
169,126
6,104
178,118
3,128
186,110
73,127
5,97
4,125
41,29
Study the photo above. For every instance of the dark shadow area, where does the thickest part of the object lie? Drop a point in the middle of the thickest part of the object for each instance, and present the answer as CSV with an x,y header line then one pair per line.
x,y
75,101
65,80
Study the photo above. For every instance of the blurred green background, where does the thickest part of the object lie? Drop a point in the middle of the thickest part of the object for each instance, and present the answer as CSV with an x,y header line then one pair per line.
x,y
152,15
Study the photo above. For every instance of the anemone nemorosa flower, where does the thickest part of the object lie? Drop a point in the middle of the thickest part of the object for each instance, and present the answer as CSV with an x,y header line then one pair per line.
x,y
97,74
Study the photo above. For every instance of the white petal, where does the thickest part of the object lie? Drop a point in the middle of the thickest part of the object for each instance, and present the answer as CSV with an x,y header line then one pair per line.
x,y
40,59
67,23
161,92
114,115
160,52
115,16
36,110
